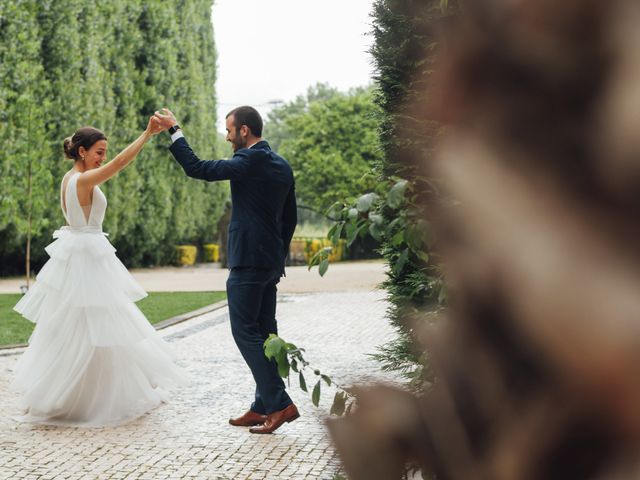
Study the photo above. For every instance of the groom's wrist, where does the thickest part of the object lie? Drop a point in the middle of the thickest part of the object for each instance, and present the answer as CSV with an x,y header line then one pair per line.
x,y
173,129
176,134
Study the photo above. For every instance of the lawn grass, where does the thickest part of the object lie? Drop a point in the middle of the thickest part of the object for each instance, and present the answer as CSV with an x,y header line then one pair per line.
x,y
157,306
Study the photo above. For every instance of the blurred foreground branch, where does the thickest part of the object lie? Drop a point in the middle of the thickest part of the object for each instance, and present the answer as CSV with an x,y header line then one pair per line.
x,y
537,363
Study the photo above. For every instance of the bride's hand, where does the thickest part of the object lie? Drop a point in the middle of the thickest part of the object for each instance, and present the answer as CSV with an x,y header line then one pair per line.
x,y
154,127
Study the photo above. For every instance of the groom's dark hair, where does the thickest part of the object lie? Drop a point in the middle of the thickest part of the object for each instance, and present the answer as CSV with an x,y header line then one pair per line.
x,y
248,116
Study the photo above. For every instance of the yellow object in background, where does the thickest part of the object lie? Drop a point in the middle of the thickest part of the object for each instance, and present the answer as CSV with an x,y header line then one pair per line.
x,y
314,245
211,252
186,254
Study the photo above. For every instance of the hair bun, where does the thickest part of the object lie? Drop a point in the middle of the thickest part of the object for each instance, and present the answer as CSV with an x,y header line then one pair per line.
x,y
84,137
68,146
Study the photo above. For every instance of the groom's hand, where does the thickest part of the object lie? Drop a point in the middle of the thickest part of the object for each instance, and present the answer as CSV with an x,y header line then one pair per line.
x,y
166,118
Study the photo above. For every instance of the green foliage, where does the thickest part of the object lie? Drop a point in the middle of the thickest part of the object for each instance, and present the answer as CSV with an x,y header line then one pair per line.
x,y
330,139
289,357
110,65
23,125
395,212
278,127
404,54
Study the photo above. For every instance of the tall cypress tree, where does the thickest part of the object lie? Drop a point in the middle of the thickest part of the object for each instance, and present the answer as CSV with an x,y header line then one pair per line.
x,y
109,65
25,179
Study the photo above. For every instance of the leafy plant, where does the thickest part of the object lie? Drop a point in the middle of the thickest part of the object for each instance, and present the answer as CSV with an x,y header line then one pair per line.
x,y
330,138
289,358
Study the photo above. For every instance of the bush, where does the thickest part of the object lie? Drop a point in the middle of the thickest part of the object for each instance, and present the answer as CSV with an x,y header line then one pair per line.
x,y
211,252
186,254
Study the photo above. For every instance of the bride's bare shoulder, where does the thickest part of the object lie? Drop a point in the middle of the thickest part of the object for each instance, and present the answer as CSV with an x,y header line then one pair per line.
x,y
65,178
68,174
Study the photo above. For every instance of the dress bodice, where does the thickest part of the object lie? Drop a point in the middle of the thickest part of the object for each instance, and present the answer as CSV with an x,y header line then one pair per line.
x,y
74,214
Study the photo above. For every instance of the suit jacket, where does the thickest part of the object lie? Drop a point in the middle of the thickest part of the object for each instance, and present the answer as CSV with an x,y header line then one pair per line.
x,y
263,200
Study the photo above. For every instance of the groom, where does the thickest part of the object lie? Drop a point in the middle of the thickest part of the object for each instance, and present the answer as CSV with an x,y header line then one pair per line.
x,y
263,219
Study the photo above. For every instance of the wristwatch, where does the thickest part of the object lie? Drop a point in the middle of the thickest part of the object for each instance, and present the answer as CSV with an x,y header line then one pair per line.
x,y
174,129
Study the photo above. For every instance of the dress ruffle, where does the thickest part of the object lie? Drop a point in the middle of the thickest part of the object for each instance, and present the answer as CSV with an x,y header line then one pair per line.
x,y
93,358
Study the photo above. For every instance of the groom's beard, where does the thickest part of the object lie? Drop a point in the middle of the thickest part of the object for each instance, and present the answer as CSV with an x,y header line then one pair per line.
x,y
238,142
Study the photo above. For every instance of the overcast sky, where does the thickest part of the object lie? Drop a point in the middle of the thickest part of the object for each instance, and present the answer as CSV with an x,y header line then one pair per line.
x,y
274,49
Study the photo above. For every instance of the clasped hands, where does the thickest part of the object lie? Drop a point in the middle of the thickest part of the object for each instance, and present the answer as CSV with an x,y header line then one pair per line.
x,y
161,120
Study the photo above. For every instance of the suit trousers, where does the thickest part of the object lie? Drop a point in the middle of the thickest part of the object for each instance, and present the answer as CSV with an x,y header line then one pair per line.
x,y
251,295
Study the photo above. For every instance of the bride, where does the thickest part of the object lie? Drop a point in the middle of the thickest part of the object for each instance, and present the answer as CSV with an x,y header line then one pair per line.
x,y
93,358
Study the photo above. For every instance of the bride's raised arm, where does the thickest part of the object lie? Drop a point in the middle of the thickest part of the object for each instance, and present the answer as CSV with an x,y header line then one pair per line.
x,y
96,176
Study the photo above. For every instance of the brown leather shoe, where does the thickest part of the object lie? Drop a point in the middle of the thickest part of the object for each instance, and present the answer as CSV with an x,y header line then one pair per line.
x,y
276,419
249,419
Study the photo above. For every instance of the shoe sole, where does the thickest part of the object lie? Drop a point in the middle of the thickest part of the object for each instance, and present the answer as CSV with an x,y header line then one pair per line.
x,y
245,424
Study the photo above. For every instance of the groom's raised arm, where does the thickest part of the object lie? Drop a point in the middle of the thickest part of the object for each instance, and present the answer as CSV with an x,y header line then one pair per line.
x,y
209,170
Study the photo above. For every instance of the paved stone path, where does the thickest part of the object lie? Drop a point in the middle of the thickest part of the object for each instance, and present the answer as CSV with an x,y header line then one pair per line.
x,y
190,437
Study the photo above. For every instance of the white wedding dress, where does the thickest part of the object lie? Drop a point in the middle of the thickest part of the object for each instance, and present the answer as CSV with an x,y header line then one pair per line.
x,y
93,358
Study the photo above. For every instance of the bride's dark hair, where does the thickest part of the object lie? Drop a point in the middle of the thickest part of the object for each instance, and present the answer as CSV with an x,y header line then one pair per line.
x,y
84,137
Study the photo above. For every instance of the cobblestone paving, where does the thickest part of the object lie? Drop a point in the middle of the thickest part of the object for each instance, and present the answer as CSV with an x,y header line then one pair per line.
x,y
190,437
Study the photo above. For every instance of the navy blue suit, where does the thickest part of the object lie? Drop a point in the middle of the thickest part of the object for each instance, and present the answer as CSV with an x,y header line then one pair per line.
x,y
263,219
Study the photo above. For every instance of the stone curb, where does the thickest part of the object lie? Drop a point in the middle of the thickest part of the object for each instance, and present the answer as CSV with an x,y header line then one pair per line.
x,y
6,349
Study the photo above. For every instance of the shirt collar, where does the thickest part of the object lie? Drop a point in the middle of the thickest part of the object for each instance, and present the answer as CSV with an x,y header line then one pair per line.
x,y
254,144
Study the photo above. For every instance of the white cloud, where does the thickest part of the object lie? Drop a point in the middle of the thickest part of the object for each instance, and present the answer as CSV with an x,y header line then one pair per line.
x,y
275,49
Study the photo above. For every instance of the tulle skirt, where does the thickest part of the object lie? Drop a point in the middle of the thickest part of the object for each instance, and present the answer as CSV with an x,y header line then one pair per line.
x,y
93,358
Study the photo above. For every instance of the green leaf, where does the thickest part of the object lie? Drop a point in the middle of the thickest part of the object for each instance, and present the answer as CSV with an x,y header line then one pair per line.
x,y
398,238
396,195
315,396
337,233
422,255
353,214
319,256
339,403
363,229
273,346
324,266
294,365
366,201
401,262
352,232
376,231
332,230
413,236
377,219
326,379
303,383
283,364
